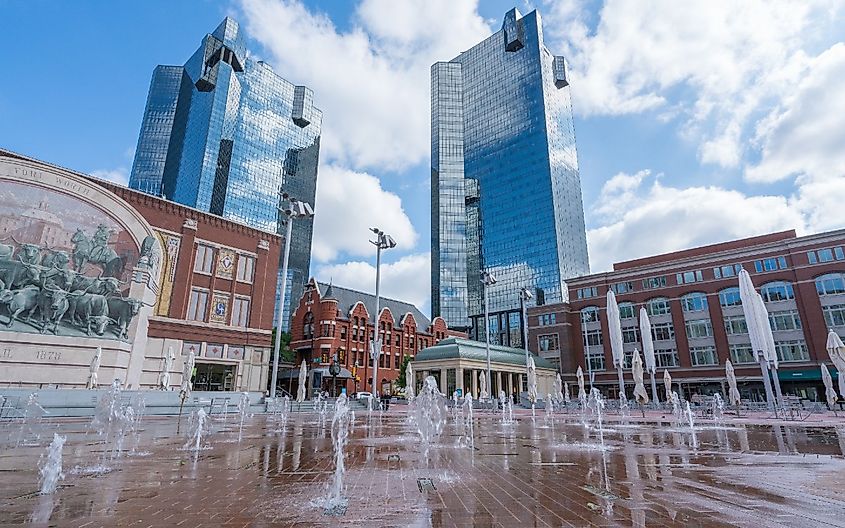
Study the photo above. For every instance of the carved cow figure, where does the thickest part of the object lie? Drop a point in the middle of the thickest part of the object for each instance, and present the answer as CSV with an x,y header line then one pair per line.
x,y
52,304
123,310
19,301
93,310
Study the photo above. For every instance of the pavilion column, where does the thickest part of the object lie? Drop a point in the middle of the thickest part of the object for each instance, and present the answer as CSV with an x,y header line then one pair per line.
x,y
443,386
510,384
474,376
459,379
499,386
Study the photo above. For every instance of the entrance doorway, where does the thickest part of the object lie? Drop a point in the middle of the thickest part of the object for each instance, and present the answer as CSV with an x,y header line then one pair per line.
x,y
214,377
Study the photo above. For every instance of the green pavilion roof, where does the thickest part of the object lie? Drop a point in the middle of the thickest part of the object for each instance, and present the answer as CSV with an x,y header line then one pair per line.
x,y
455,347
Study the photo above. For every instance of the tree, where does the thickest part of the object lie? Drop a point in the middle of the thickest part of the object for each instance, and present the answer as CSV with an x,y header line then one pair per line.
x,y
286,354
400,381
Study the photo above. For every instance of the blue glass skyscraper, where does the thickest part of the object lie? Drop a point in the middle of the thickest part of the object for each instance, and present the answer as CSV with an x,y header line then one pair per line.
x,y
506,193
225,134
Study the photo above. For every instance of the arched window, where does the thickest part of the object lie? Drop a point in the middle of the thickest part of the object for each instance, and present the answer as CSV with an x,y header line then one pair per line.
x,y
730,297
694,302
308,325
626,310
590,314
658,306
777,291
830,284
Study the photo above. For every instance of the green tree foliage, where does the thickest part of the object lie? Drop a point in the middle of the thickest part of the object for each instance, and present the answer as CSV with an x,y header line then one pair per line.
x,y
400,381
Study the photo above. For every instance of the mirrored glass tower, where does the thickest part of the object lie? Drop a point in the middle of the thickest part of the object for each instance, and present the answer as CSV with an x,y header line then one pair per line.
x,y
225,134
506,193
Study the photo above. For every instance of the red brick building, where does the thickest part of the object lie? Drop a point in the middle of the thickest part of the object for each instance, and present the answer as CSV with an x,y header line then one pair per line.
x,y
217,291
331,322
696,316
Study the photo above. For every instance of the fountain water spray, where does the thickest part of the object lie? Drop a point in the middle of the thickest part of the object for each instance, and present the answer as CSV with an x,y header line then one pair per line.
x,y
114,418
718,407
549,408
690,416
677,411
429,411
33,413
198,430
51,469
624,407
243,410
467,439
596,403
335,503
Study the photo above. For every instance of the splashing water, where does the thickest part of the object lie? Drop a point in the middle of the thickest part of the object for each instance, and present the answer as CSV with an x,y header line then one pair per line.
x,y
507,409
115,419
718,407
467,438
243,411
596,404
33,413
429,411
677,411
690,417
198,430
624,406
51,469
335,503
549,408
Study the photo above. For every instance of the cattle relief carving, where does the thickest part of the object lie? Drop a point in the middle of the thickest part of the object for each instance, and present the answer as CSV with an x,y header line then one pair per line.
x,y
65,266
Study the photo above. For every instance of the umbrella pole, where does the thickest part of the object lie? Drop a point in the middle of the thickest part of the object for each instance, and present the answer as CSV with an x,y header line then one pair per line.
x,y
767,382
179,421
621,379
654,390
778,393
642,409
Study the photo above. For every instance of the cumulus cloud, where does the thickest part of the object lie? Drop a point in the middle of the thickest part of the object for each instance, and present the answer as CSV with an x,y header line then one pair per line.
x,y
408,279
372,81
119,175
659,219
348,204
804,137
728,61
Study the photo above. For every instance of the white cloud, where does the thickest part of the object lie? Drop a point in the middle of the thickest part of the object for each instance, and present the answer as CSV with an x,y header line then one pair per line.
x,y
658,219
348,204
805,136
372,81
119,175
726,61
408,279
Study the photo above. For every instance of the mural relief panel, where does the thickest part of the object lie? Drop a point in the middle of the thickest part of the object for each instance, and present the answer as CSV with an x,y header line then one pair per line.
x,y
65,265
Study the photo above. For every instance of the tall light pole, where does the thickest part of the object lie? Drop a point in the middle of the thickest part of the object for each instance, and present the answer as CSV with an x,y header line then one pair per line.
x,y
294,209
524,297
488,280
382,241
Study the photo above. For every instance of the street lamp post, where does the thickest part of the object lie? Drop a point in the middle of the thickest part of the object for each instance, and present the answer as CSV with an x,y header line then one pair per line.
x,y
294,209
334,370
382,241
524,297
488,280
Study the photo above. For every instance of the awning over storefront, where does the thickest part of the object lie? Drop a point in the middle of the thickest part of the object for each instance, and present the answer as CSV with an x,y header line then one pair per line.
x,y
805,374
324,372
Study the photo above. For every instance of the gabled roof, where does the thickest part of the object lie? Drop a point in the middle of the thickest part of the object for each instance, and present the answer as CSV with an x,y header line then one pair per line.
x,y
346,299
456,347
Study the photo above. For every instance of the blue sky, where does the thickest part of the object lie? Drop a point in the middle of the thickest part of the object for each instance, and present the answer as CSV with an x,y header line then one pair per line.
x,y
693,124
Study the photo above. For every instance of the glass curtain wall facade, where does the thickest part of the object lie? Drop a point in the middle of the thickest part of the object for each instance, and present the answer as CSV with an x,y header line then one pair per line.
x,y
506,192
225,134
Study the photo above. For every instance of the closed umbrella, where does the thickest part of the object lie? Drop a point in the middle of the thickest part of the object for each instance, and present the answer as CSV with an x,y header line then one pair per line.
x,y
164,375
582,394
769,340
836,351
300,389
637,371
558,388
95,367
829,393
614,326
187,372
532,380
482,385
733,391
667,384
648,351
756,332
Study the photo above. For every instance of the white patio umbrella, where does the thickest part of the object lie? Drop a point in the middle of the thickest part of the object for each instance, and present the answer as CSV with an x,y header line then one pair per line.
x,y
566,391
648,351
95,366
582,394
733,391
836,351
187,372
637,371
532,379
829,393
757,322
164,375
300,389
410,381
667,384
614,326
482,385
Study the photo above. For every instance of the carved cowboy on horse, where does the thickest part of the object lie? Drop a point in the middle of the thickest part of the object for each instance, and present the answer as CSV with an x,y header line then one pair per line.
x,y
96,252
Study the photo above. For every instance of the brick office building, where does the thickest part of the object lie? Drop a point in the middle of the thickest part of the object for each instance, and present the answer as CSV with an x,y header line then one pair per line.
x,y
692,299
333,322
208,284
217,291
